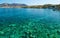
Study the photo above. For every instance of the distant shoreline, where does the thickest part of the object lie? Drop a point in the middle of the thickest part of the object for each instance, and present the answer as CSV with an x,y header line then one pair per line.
x,y
11,7
4,5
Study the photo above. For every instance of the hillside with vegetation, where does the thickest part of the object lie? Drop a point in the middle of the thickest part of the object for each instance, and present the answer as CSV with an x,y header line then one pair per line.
x,y
44,6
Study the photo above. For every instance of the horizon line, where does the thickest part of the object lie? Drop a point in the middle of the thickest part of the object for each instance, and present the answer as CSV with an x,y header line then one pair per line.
x,y
28,4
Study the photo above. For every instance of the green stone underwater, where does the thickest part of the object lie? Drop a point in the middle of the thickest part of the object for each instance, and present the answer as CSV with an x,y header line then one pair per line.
x,y
29,23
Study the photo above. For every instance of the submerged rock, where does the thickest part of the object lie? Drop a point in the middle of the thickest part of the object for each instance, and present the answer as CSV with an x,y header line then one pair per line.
x,y
58,32
1,32
12,25
12,36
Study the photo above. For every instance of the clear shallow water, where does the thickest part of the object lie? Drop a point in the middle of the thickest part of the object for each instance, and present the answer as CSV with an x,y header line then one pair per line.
x,y
45,15
29,23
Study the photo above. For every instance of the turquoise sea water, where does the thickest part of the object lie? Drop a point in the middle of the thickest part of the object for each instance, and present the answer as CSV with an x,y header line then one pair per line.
x,y
29,23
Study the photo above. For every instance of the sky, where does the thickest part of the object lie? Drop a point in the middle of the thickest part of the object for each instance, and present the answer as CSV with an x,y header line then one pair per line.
x,y
32,2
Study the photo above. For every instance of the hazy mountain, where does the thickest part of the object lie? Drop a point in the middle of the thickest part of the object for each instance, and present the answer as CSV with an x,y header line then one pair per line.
x,y
12,5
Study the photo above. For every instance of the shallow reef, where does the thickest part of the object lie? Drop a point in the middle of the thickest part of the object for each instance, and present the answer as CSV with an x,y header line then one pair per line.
x,y
29,29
